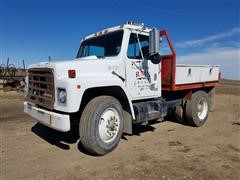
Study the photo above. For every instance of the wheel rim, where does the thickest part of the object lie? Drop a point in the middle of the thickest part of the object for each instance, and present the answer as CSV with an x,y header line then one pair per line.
x,y
202,107
109,125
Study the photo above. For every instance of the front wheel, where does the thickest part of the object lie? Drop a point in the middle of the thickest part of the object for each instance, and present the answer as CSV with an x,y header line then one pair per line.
x,y
197,109
101,125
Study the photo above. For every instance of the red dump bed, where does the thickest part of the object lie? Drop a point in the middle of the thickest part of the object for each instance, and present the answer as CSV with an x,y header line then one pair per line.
x,y
180,77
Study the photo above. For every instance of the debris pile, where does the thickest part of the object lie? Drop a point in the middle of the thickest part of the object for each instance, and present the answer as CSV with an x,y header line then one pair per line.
x,y
12,77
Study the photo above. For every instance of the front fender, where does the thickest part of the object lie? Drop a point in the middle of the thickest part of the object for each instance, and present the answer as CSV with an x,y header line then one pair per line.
x,y
75,95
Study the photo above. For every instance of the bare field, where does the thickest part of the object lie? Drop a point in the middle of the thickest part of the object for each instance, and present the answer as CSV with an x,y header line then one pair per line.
x,y
229,87
164,150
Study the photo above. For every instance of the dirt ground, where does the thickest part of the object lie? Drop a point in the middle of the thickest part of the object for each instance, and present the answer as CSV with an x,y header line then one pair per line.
x,y
164,150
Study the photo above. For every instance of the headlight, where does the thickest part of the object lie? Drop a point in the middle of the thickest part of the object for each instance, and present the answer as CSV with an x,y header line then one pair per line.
x,y
62,96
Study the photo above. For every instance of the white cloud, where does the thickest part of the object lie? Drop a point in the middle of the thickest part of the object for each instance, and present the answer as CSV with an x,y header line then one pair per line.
x,y
200,42
228,58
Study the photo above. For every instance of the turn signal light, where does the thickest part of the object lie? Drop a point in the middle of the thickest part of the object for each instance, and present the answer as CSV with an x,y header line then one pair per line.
x,y
71,73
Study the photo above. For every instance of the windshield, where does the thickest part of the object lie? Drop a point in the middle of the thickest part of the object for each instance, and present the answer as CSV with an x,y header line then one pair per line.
x,y
102,46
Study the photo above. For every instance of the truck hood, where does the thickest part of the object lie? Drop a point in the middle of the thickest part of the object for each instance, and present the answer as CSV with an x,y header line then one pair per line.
x,y
83,66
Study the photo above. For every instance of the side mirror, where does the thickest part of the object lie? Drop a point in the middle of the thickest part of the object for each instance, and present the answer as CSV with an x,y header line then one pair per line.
x,y
154,41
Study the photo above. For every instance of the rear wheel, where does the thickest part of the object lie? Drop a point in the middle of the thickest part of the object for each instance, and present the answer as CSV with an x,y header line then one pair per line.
x,y
101,125
197,109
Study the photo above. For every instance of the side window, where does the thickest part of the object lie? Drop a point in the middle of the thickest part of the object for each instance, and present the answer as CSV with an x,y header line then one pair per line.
x,y
133,47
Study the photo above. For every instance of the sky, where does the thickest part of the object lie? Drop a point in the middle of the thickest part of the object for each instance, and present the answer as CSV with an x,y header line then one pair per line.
x,y
203,32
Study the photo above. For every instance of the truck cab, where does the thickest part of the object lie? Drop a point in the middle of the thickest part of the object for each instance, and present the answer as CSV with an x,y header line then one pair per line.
x,y
118,78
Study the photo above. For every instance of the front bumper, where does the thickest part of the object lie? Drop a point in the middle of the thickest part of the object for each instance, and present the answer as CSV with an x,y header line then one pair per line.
x,y
60,122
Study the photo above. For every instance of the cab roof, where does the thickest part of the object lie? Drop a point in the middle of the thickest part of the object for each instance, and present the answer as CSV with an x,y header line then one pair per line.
x,y
129,25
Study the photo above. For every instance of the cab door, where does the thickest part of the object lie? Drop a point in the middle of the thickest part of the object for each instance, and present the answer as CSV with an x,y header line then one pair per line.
x,y
142,76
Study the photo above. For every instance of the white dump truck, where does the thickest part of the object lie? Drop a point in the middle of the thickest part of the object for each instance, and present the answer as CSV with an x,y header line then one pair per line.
x,y
119,78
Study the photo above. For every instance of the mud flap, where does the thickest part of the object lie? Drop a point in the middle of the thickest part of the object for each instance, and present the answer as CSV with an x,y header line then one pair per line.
x,y
127,126
211,98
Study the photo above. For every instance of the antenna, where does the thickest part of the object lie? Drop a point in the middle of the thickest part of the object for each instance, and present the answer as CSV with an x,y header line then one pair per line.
x,y
7,61
23,64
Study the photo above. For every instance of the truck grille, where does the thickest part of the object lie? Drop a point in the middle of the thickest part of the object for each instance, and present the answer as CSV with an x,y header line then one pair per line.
x,y
41,87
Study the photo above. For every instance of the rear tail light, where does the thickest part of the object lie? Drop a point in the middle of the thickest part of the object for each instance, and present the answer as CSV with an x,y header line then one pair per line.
x,y
71,73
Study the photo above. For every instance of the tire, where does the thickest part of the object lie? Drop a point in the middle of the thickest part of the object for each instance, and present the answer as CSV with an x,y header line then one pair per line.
x,y
197,109
101,125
